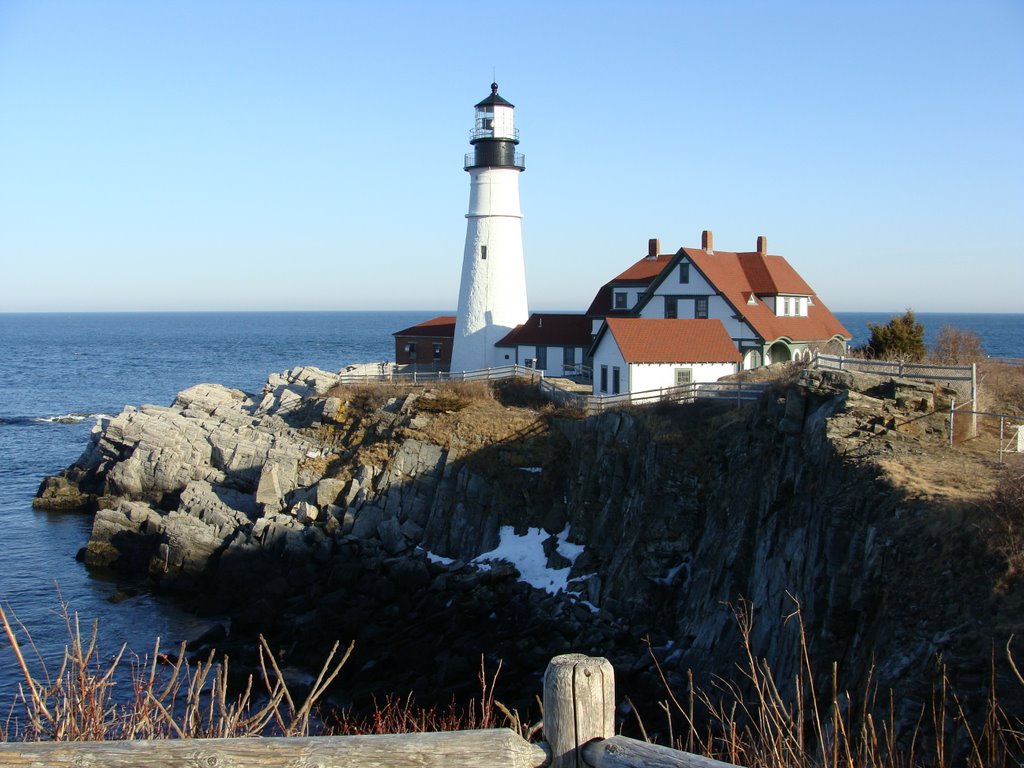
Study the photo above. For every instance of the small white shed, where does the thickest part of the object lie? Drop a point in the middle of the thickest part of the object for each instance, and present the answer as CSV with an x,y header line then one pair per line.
x,y
635,354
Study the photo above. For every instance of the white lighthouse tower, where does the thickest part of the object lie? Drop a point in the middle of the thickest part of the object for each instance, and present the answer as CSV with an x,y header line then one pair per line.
x,y
492,295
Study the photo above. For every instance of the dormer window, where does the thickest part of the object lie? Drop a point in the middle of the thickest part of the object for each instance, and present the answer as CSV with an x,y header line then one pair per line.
x,y
621,300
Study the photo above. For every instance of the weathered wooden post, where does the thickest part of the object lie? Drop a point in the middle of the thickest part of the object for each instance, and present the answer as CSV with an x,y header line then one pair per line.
x,y
579,706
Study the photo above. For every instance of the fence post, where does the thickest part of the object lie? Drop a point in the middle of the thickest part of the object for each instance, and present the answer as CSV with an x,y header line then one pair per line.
x,y
974,399
952,411
579,705
1001,439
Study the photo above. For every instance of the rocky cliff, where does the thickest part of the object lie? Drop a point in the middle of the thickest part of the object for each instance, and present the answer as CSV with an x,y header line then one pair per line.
x,y
314,511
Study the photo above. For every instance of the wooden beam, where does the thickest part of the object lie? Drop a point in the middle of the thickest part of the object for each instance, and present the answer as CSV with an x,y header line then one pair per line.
x,y
623,752
498,747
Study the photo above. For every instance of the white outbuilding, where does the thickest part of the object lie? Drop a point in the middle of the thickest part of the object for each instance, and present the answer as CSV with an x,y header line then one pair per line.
x,y
633,354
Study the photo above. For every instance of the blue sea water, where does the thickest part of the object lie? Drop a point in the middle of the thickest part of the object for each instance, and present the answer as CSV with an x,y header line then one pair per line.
x,y
62,369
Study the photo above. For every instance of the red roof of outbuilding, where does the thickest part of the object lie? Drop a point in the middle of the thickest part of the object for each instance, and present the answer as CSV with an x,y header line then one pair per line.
x,y
442,325
562,330
643,340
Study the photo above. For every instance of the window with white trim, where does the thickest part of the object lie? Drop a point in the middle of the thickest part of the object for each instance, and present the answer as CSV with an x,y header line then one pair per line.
x,y
700,308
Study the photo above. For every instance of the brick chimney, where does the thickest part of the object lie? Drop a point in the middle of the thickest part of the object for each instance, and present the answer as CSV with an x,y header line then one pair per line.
x,y
762,245
707,241
653,248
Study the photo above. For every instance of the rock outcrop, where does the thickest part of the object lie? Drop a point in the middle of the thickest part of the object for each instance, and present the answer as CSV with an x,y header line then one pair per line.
x,y
313,512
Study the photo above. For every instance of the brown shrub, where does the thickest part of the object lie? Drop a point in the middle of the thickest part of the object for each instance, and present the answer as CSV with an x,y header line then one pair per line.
x,y
368,396
1001,387
955,346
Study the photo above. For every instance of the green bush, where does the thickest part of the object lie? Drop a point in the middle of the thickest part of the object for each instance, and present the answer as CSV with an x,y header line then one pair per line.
x,y
902,338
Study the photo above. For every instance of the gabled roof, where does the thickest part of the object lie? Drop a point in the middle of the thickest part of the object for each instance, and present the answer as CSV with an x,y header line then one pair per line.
x,y
642,340
440,326
643,271
738,276
561,330
641,274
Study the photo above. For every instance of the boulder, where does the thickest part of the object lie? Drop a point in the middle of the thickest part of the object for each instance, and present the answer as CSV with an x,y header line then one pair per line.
x,y
184,553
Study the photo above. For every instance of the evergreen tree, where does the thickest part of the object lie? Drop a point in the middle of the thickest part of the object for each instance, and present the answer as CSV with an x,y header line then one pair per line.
x,y
902,338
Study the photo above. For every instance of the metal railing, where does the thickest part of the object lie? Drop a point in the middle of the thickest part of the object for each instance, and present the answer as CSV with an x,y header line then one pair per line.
x,y
489,133
896,368
469,161
963,379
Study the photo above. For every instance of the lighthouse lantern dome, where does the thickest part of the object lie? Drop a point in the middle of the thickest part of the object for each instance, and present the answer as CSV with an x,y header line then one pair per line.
x,y
494,119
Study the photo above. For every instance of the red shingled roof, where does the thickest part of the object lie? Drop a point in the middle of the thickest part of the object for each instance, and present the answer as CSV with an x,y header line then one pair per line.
x,y
442,325
561,330
641,274
643,340
737,275
644,270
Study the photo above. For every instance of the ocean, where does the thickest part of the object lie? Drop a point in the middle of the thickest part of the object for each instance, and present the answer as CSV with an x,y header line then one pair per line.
x,y
63,370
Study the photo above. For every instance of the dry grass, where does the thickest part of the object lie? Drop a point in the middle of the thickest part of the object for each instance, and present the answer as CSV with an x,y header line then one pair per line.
x,y
745,721
369,396
1001,387
403,715
749,722
170,696
451,396
1006,515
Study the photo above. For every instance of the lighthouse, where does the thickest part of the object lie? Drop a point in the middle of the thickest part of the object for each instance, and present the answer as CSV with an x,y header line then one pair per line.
x,y
492,294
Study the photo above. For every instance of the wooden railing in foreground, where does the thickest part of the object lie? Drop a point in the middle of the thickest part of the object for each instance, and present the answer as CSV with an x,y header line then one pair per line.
x,y
579,731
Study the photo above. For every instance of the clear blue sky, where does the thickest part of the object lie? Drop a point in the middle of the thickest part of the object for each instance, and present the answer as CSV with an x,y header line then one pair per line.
x,y
185,154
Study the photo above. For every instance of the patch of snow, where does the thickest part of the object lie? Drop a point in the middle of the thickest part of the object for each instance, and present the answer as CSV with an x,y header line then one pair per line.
x,y
526,553
530,469
438,558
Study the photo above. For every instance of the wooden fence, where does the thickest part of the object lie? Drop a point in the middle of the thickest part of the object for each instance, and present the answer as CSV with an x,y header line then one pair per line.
x,y
379,372
737,392
579,731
